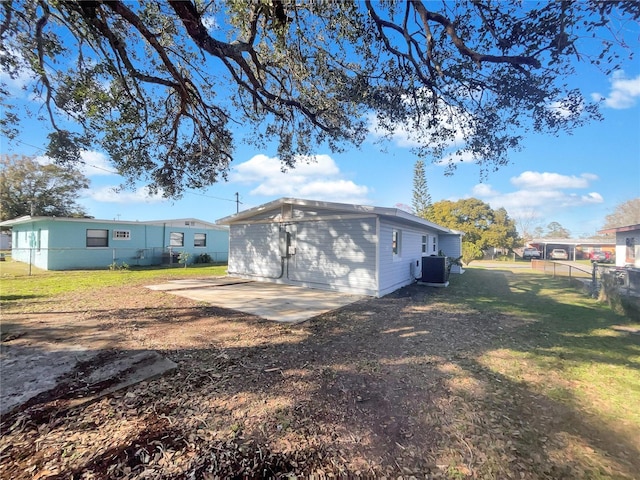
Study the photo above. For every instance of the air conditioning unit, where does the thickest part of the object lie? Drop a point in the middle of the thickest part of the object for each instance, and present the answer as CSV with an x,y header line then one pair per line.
x,y
435,271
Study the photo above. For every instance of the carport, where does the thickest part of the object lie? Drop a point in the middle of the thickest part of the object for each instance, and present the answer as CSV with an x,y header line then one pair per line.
x,y
574,247
272,301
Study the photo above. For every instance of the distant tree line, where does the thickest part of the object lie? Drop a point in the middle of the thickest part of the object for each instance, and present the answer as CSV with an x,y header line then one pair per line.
x,y
28,187
485,227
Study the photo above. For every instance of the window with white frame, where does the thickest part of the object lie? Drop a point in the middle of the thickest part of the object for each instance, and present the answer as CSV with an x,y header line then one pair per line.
x,y
97,238
199,239
396,242
630,243
121,234
434,244
425,243
176,239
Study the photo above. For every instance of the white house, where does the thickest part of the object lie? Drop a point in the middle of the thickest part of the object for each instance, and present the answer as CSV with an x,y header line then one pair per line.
x,y
5,241
349,248
627,245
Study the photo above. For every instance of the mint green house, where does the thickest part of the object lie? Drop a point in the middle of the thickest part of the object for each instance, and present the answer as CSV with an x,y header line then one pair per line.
x,y
63,243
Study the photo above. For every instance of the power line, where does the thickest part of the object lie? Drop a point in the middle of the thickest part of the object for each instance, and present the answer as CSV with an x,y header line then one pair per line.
x,y
236,200
84,162
214,197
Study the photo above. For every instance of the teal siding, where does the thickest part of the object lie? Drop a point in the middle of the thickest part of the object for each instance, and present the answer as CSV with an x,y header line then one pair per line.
x,y
56,244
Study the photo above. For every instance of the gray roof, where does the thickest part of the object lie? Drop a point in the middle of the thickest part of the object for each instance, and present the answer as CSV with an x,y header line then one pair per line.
x,y
168,222
347,208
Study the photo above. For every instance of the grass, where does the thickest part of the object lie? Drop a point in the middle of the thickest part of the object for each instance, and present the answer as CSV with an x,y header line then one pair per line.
x,y
16,283
558,348
570,349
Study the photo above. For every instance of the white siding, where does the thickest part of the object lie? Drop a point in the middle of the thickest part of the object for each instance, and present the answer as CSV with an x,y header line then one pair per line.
x,y
628,255
451,245
254,250
336,254
332,248
395,270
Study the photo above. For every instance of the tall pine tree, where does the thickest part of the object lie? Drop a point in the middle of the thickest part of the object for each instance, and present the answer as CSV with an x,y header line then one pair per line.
x,y
421,202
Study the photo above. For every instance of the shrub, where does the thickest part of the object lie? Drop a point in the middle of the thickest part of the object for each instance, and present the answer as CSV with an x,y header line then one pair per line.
x,y
114,266
183,258
203,258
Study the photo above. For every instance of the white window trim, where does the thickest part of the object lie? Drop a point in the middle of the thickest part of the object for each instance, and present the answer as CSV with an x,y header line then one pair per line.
x,y
97,230
126,237
397,251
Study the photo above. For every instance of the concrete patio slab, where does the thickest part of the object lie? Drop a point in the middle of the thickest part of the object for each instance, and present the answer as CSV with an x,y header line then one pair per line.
x,y
272,301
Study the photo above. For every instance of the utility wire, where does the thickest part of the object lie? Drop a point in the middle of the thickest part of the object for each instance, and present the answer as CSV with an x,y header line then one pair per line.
x,y
236,200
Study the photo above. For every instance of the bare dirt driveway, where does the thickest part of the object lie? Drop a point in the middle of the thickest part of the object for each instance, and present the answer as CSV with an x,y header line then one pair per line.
x,y
382,387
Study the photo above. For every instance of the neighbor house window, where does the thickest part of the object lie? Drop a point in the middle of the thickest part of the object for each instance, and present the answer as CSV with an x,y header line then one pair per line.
x,y
425,241
176,239
121,234
97,237
434,245
200,240
630,242
396,240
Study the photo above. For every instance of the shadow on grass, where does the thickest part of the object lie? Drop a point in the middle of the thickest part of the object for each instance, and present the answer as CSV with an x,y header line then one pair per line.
x,y
395,381
558,319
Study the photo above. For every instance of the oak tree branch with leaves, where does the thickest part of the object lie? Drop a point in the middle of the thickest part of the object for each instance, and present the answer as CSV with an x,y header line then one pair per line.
x,y
165,87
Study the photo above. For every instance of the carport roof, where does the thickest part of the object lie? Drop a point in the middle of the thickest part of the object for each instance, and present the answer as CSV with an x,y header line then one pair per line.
x,y
573,241
347,208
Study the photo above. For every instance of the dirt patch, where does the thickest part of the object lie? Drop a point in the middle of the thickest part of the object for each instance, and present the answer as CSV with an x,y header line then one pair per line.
x,y
383,387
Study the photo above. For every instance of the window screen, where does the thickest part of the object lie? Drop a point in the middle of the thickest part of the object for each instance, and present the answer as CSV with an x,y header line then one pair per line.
x,y
176,239
97,238
396,239
200,240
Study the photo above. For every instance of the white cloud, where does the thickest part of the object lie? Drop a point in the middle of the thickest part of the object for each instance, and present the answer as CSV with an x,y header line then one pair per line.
x,y
210,22
17,85
409,134
565,109
484,190
623,93
546,180
464,157
318,178
111,194
541,194
93,163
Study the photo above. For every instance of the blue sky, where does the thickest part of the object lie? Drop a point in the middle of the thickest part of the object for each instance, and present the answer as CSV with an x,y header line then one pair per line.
x,y
575,180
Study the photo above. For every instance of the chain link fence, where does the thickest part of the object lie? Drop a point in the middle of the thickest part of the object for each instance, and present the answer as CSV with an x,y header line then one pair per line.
x,y
626,279
82,258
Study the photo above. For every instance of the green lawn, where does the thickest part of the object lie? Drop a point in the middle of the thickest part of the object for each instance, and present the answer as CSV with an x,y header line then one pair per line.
x,y
16,283
576,359
570,348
